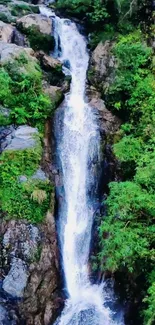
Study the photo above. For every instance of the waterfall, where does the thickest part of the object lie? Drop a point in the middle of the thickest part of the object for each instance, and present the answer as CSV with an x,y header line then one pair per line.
x,y
78,148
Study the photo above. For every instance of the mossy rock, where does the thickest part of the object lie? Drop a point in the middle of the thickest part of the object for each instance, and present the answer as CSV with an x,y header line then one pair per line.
x,y
4,17
38,41
20,10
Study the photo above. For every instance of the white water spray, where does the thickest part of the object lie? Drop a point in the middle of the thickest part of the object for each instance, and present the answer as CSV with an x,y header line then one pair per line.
x,y
85,304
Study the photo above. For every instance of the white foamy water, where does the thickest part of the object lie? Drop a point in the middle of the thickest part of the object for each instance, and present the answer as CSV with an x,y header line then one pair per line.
x,y
86,302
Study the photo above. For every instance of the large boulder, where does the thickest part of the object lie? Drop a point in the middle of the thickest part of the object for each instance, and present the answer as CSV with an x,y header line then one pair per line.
x,y
6,32
42,23
101,67
9,52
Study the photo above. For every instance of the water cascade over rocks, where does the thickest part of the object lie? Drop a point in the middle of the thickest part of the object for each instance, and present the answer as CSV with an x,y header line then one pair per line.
x,y
77,149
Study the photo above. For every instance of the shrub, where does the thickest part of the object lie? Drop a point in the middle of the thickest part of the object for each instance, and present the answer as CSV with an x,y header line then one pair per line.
x,y
22,92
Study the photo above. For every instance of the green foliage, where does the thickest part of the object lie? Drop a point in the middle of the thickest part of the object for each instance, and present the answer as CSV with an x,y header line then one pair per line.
x,y
127,233
21,91
16,198
149,313
94,11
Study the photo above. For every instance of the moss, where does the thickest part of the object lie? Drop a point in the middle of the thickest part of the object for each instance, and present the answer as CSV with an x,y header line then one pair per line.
x,y
23,200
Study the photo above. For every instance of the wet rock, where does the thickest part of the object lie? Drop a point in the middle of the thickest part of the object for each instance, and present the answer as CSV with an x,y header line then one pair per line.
x,y
15,282
48,63
6,32
42,23
101,67
23,137
5,136
55,93
108,122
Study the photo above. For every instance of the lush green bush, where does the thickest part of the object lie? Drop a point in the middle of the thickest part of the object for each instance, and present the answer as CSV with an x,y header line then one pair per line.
x,y
21,91
30,199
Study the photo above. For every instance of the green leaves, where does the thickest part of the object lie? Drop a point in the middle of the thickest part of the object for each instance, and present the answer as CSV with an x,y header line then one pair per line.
x,y
127,233
22,93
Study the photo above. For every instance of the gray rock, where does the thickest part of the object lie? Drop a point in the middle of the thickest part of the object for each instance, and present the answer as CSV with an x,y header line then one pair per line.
x,y
11,51
6,134
23,138
40,175
42,23
21,239
108,122
16,280
22,179
101,67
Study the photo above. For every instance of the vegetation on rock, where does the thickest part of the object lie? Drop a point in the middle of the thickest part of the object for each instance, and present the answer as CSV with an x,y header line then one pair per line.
x,y
27,200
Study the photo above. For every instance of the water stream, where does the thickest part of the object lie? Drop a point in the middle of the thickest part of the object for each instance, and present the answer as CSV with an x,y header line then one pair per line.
x,y
78,150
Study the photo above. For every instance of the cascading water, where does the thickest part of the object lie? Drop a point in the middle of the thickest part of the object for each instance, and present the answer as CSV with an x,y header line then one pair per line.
x,y
85,303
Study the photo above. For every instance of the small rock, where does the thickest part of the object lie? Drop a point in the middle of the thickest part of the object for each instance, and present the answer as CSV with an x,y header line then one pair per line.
x,y
22,179
16,280
40,175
